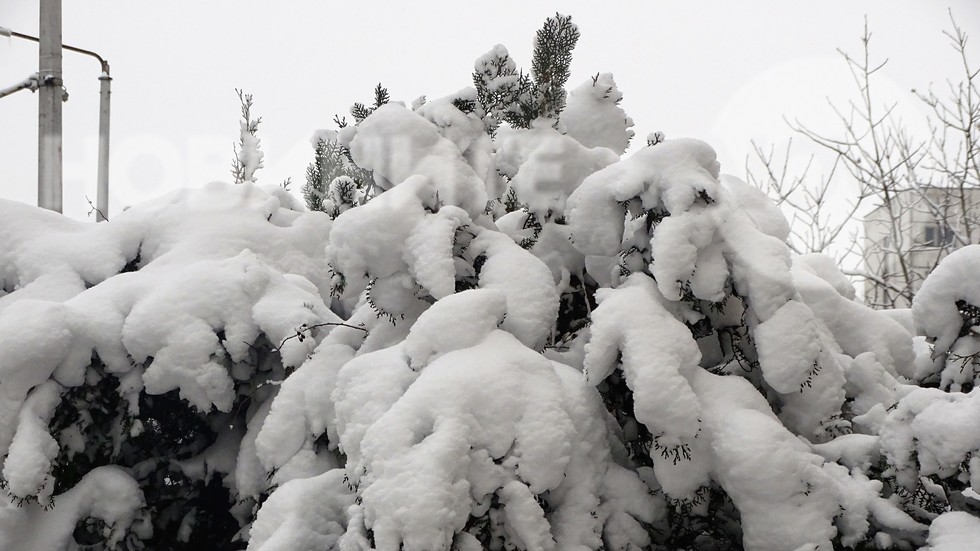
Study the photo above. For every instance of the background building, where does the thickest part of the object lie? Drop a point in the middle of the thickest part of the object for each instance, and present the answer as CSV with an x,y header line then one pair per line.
x,y
907,236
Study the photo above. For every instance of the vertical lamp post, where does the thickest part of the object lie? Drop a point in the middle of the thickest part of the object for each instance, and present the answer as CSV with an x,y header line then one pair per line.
x,y
52,93
50,97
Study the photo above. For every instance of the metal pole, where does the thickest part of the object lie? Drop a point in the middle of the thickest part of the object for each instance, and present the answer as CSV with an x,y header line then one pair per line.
x,y
29,83
102,198
49,107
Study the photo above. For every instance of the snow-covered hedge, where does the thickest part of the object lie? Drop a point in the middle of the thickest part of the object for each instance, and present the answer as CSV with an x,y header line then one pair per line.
x,y
521,341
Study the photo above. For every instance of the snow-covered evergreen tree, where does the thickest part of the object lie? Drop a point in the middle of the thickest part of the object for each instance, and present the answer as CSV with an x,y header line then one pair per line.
x,y
248,156
521,341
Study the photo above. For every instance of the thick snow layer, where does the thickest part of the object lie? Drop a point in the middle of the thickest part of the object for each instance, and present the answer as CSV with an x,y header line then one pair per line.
x,y
764,213
869,384
930,432
856,328
787,496
302,410
489,417
216,221
593,117
937,315
179,294
545,167
934,308
458,321
673,174
401,499
656,353
464,130
760,263
705,238
176,325
397,144
105,493
789,346
303,515
366,241
953,531
525,281
429,250
714,231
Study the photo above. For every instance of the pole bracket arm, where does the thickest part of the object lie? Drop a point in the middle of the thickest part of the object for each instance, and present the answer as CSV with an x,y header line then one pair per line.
x,y
31,83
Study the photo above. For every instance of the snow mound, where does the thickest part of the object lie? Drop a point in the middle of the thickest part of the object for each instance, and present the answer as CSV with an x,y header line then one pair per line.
x,y
593,117
953,531
397,144
947,310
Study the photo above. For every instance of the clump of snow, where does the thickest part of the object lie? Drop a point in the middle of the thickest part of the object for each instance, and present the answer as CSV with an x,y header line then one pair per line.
x,y
429,251
657,352
105,493
177,295
303,515
789,346
532,299
944,310
593,117
458,321
953,531
856,328
464,130
362,239
686,170
29,457
396,144
787,496
545,167
302,410
249,156
930,432
934,308
447,420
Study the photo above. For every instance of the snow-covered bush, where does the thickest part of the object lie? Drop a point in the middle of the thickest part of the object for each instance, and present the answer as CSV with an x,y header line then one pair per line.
x,y
248,156
146,343
517,340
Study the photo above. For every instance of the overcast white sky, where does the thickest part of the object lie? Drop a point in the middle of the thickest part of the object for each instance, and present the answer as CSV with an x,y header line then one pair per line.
x,y
725,72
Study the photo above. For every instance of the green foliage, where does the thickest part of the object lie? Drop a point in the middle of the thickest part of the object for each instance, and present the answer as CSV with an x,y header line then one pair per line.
x,y
517,98
239,169
328,163
360,112
551,64
149,443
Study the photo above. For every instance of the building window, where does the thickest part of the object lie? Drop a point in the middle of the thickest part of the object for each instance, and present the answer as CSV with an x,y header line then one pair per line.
x,y
937,236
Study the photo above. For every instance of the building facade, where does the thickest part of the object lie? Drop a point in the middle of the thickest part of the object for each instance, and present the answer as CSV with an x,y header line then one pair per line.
x,y
908,235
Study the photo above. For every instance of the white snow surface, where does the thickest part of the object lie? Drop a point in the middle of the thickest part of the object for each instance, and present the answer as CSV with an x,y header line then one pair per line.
x,y
671,174
416,384
397,144
934,308
488,418
593,117
303,515
657,353
953,531
193,277
545,167
106,493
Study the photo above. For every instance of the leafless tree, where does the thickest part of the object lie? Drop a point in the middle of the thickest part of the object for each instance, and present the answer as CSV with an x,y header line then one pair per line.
x,y
921,193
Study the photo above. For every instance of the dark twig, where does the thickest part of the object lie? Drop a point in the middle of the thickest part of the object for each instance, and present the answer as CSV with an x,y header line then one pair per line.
x,y
299,333
93,208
